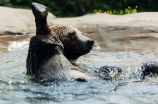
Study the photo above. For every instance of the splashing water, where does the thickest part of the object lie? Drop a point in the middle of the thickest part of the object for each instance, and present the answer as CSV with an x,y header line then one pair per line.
x,y
18,45
16,87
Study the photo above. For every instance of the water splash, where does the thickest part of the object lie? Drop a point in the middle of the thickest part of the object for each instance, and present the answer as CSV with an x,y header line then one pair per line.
x,y
16,87
18,45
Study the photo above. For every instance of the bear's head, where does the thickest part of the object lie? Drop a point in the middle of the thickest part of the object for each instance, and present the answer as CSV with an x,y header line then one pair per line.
x,y
75,43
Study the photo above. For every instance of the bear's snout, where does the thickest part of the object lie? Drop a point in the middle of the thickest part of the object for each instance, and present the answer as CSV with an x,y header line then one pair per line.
x,y
90,43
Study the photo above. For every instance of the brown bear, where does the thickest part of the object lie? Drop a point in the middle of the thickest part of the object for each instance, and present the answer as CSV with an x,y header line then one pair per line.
x,y
51,48
45,58
74,42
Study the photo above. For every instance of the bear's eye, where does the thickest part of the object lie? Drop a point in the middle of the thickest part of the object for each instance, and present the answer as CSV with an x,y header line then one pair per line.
x,y
72,35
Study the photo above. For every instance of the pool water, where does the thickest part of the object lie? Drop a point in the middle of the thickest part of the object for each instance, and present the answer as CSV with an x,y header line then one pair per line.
x,y
17,88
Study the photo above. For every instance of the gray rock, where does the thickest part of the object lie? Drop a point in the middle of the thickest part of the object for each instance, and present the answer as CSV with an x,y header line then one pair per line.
x,y
133,32
18,21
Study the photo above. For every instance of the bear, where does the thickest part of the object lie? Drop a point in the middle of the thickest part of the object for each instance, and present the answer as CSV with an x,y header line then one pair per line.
x,y
48,56
45,59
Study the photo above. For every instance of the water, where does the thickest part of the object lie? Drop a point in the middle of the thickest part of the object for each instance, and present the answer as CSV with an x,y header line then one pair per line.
x,y
17,88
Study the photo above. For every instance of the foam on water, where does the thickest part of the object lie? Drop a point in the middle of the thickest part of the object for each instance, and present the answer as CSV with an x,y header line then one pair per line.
x,y
18,45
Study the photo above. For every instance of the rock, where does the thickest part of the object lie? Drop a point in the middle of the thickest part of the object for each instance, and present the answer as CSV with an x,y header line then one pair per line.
x,y
18,21
132,32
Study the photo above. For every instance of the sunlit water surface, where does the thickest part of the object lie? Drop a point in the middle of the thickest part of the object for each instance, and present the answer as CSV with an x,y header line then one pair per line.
x,y
17,88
